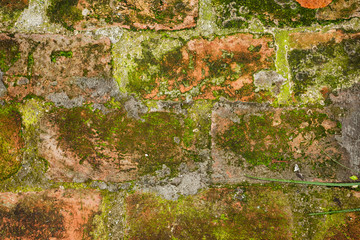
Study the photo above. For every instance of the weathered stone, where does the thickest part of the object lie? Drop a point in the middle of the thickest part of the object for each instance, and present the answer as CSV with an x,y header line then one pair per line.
x,y
323,62
348,100
51,214
198,69
268,80
80,144
11,141
58,68
189,181
144,14
251,139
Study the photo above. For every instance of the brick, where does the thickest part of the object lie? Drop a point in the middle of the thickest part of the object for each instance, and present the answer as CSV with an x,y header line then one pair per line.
x,y
323,62
250,139
80,144
197,69
54,66
341,9
50,214
210,214
145,14
314,4
243,14
11,141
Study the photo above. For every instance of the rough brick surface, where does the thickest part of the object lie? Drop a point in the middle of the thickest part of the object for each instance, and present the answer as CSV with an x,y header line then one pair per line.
x,y
51,214
65,70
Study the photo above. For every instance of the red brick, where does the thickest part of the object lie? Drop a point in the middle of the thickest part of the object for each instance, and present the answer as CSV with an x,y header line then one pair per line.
x,y
50,214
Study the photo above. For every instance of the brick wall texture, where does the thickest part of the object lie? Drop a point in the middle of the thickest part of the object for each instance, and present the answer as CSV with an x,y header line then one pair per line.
x,y
152,119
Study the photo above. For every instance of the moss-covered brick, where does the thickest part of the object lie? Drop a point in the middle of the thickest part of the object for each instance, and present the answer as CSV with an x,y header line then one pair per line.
x,y
157,14
246,137
324,63
258,141
113,147
272,13
339,9
198,68
213,214
11,141
48,214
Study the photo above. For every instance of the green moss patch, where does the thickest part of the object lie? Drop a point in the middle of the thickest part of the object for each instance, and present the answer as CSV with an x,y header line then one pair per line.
x,y
157,139
11,142
214,214
332,65
277,140
54,55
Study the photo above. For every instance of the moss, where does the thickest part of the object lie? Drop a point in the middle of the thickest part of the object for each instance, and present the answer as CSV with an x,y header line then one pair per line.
x,y
259,142
151,140
64,12
334,65
11,142
9,53
55,54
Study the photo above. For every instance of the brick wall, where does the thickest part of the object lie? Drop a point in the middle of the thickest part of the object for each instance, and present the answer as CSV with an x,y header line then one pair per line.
x,y
144,119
